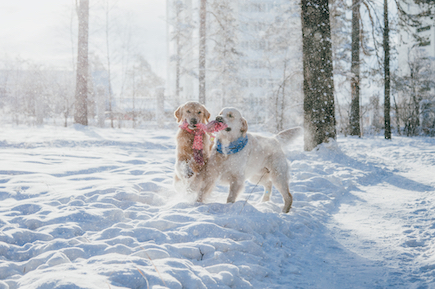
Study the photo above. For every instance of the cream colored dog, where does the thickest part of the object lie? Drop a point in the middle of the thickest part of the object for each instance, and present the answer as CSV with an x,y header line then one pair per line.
x,y
238,156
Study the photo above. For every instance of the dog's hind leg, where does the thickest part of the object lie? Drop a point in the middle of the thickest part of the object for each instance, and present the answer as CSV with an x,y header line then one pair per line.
x,y
282,186
279,177
237,185
264,180
267,190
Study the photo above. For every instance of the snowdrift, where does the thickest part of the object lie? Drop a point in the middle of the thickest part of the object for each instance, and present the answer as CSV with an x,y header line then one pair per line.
x,y
95,208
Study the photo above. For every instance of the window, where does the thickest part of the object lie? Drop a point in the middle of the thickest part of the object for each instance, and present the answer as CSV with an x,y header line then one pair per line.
x,y
424,43
421,29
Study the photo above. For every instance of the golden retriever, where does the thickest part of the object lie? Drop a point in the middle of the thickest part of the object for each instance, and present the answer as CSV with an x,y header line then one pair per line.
x,y
189,160
238,156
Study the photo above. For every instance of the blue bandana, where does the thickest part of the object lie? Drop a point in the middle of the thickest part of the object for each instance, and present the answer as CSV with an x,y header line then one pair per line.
x,y
234,146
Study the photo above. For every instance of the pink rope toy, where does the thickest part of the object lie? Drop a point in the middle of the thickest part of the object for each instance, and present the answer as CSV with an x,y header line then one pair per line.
x,y
198,146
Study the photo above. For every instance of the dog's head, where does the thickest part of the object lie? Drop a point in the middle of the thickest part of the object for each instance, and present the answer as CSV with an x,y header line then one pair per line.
x,y
237,125
193,112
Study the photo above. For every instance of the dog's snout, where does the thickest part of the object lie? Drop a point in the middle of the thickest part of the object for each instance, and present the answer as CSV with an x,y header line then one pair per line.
x,y
219,118
193,121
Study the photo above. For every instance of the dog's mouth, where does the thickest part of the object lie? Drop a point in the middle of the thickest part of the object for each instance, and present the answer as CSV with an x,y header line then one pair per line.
x,y
192,124
220,119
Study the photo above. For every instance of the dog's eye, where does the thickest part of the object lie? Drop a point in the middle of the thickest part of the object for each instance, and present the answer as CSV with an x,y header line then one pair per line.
x,y
199,112
230,115
188,111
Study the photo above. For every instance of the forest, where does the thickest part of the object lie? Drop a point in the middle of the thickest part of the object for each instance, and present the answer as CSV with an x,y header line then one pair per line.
x,y
381,66
89,145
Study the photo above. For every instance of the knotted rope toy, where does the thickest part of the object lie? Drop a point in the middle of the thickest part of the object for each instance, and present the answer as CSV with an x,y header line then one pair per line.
x,y
200,129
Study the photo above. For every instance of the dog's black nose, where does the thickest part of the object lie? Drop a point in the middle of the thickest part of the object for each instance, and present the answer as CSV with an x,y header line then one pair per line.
x,y
219,118
193,121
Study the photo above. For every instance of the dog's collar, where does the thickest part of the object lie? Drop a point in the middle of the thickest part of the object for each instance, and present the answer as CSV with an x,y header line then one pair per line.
x,y
233,147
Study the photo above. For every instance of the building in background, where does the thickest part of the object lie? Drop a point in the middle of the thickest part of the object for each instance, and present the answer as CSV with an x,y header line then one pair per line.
x,y
253,57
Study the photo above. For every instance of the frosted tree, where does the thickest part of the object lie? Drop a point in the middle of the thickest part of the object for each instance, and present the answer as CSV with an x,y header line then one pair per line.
x,y
358,43
109,70
283,51
340,27
416,104
355,70
182,27
81,95
225,56
387,80
202,50
351,71
319,105
142,83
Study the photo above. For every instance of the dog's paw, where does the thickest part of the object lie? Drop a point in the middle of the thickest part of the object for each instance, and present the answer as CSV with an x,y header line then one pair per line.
x,y
186,170
189,173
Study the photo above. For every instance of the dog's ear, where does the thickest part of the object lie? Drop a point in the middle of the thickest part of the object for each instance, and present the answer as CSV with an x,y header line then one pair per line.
x,y
177,114
206,114
244,128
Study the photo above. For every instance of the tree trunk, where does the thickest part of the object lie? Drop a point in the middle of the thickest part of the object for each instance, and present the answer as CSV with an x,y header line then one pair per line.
x,y
386,44
81,96
101,105
397,116
319,108
178,60
355,69
160,109
282,104
202,47
108,65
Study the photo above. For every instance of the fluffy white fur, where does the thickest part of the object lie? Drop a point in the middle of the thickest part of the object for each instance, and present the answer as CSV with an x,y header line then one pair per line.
x,y
261,161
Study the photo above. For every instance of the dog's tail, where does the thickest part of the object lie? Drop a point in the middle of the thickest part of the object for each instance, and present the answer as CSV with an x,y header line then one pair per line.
x,y
287,136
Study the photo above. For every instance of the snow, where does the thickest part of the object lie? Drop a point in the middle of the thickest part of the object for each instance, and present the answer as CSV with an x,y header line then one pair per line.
x,y
84,207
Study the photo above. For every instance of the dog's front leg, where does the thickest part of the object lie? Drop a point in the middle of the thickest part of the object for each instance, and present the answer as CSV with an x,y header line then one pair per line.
x,y
237,185
204,182
184,170
206,190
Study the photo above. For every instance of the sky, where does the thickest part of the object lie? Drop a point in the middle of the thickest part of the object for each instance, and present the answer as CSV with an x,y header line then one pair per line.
x,y
40,31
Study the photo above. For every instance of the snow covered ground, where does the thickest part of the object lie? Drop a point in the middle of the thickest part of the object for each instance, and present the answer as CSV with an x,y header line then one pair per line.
x,y
95,208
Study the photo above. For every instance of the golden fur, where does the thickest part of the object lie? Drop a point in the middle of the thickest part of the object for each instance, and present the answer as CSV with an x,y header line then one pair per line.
x,y
185,165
